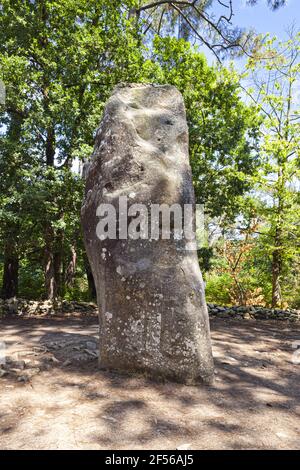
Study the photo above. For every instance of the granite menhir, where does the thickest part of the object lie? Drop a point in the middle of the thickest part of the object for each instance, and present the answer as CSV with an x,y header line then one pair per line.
x,y
152,309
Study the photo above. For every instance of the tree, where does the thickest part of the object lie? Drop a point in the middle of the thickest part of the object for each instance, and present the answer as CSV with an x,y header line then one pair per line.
x,y
207,22
223,130
59,61
236,256
276,81
9,213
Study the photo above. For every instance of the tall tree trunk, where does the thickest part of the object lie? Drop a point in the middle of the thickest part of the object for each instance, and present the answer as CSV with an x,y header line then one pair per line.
x,y
50,283
11,230
51,262
50,146
57,260
52,273
278,253
11,271
90,278
276,271
71,268
50,277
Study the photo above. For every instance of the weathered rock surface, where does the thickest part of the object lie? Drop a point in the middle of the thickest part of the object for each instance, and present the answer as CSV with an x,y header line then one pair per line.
x,y
153,314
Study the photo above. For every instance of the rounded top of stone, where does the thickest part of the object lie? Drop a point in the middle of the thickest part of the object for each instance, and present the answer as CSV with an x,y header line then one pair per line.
x,y
143,85
147,95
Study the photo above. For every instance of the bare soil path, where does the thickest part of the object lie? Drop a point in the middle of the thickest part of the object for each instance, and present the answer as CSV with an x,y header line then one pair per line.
x,y
52,396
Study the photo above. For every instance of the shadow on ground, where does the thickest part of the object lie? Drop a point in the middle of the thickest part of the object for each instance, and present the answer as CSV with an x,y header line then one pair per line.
x,y
69,403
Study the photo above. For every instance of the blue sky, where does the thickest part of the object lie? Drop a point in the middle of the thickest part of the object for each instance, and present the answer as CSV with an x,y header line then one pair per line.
x,y
263,20
260,18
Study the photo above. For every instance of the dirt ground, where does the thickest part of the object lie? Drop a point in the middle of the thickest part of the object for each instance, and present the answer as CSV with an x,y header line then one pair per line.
x,y
52,396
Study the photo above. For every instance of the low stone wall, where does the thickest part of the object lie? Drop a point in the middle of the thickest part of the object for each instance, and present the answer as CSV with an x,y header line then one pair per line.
x,y
253,312
46,307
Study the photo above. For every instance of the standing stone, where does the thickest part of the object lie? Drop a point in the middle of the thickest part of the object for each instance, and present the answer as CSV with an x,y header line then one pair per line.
x,y
152,309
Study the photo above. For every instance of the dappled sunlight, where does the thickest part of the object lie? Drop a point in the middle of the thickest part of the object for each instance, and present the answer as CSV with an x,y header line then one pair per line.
x,y
254,402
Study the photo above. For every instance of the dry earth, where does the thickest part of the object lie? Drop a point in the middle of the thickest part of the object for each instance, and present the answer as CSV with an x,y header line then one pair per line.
x,y
52,396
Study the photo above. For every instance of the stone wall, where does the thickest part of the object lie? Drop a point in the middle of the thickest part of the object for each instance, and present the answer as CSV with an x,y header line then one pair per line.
x,y
46,307
253,313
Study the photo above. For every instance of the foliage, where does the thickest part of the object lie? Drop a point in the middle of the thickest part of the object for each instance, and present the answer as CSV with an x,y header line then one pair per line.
x,y
60,61
223,130
208,23
217,288
276,82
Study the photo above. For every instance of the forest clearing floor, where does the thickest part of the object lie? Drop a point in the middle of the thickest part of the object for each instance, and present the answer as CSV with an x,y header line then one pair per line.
x,y
53,396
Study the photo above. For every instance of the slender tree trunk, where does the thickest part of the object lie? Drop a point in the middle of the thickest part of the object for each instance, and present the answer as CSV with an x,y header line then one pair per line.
x,y
51,262
11,231
277,255
50,283
90,278
50,146
11,271
279,242
71,268
57,260
276,271
50,278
